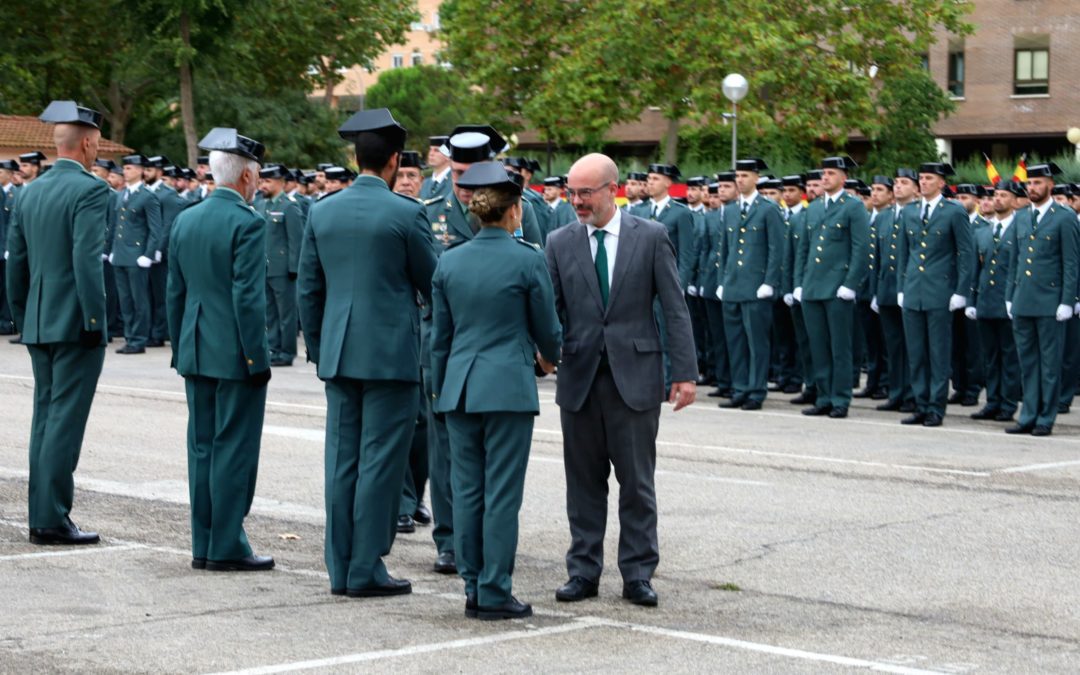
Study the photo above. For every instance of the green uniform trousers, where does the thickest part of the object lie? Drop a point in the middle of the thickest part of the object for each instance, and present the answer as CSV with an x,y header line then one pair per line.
x,y
802,346
1039,344
896,356
928,334
369,429
1002,365
747,326
65,377
1070,362
489,453
133,292
720,367
416,471
281,317
438,445
225,419
829,327
159,281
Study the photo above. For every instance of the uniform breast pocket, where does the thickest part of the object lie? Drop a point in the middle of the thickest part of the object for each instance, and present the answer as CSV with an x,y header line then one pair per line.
x,y
838,232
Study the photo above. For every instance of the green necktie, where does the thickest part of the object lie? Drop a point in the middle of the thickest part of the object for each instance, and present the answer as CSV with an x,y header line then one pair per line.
x,y
601,266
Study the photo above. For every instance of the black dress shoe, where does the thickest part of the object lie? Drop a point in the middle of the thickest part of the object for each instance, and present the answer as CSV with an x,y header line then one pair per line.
x,y
907,407
446,563
640,593
955,398
969,401
751,405
1020,429
67,534
733,403
252,563
880,394
391,587
838,413
155,343
405,524
1041,430
337,591
198,563
862,393
717,393
281,363
578,588
17,340
128,349
804,398
470,606
818,410
932,420
1004,416
986,413
511,609
422,515
889,406
1063,408
915,418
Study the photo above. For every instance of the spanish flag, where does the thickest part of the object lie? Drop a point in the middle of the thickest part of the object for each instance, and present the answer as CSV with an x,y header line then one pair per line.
x,y
991,171
1020,174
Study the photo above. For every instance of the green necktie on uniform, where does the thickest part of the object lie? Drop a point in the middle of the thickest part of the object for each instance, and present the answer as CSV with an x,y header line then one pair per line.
x,y
655,212
601,265
997,233
745,208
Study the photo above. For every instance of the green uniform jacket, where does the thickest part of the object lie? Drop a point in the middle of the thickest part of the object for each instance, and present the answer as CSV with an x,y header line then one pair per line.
x,y
216,299
794,235
697,273
708,255
993,260
429,192
543,215
679,222
886,255
55,278
936,258
562,214
1043,261
837,248
303,201
366,254
137,228
865,291
7,203
284,228
492,300
751,249
171,206
450,222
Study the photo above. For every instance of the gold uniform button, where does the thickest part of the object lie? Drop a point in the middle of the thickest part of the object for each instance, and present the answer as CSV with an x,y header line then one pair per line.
x,y
922,256
739,263
1029,261
742,229
891,268
817,260
923,244
741,241
991,282
893,246
740,251
991,272
921,268
993,261
251,362
820,248
1027,272
1030,250
892,257
93,321
821,237
1032,237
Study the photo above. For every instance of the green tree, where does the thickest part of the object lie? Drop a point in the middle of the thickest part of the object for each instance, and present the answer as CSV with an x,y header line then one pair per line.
x,y
905,136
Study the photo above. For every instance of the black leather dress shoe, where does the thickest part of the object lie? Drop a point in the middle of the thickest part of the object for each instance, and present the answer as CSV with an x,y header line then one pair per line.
x,y
446,563
252,563
751,405
422,515
405,524
932,420
578,588
986,413
281,363
1041,430
17,340
818,410
838,413
862,393
391,587
511,609
915,418
1063,408
470,606
337,591
198,563
804,398
955,398
889,406
67,534
155,343
733,403
717,393
1004,416
1020,429
640,593
969,401
792,388
880,394
128,349
907,407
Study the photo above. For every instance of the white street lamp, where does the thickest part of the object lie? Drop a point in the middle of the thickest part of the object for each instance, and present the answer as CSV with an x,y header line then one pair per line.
x,y
735,87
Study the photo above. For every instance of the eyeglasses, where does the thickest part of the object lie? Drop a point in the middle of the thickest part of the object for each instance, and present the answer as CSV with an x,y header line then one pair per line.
x,y
585,193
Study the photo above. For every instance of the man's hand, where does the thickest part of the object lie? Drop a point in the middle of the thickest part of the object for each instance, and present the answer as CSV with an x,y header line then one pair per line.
x,y
956,302
764,292
874,307
682,394
719,292
157,256
970,313
259,379
545,366
797,294
1064,312
692,291
109,258
900,300
789,299
1008,308
845,293
144,262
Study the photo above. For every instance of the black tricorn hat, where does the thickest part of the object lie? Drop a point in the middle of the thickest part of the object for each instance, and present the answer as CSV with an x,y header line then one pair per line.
x,y
225,139
552,181
488,174
134,160
202,159
697,181
516,162
377,121
274,171
107,164
968,189
881,180
323,166
755,164
725,177
1015,187
637,175
943,169
794,180
437,141
905,172
1047,170
410,158
843,163
339,173
815,174
158,162
69,112
669,170
35,157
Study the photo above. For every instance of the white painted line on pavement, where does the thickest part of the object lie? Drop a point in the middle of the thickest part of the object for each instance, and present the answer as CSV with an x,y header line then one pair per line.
x,y
414,649
1038,467
67,552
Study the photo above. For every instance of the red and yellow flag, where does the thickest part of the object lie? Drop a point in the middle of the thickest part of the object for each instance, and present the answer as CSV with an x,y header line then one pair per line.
x,y
991,171
1020,174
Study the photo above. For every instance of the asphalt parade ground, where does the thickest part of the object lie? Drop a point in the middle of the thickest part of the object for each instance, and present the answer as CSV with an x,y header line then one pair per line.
x,y
788,544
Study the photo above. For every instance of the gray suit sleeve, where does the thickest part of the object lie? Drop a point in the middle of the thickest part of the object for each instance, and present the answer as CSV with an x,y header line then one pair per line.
x,y
680,337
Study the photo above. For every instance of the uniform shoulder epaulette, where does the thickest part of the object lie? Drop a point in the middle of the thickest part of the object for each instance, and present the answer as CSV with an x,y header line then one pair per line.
x,y
433,200
328,194
411,200
523,242
456,243
290,198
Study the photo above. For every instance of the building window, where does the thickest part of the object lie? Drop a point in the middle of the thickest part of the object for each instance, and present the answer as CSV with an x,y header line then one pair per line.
x,y
1032,75
956,74
417,58
397,61
924,61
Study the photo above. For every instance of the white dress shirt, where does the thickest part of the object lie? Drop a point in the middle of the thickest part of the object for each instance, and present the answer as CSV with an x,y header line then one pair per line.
x,y
1040,211
933,206
611,242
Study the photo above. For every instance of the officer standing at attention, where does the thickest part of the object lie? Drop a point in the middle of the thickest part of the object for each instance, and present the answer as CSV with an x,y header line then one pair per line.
x,y
284,227
636,202
523,167
217,326
560,211
968,377
57,295
936,256
171,206
372,385
1041,297
795,228
710,261
834,263
409,175
492,300
437,186
885,247
133,244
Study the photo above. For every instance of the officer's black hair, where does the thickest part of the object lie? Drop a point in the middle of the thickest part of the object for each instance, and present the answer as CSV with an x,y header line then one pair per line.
x,y
373,151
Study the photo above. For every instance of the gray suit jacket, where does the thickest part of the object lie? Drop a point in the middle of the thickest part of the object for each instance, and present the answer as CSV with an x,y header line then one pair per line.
x,y
645,269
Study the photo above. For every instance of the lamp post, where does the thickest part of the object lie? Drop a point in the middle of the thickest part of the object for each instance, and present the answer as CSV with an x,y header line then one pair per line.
x,y
1073,135
734,87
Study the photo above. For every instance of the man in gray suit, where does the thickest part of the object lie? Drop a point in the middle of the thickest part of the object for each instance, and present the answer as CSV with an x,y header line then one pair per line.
x,y
606,271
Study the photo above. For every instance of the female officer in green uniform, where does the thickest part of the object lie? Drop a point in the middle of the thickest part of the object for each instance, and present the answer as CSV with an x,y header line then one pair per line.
x,y
492,301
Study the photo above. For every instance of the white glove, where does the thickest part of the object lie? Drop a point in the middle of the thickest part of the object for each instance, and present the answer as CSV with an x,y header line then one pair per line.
x,y
797,294
110,258
957,302
970,313
719,292
900,300
1008,308
5,255
789,299
157,256
1064,312
143,262
764,291
1076,309
874,307
693,291
845,293
104,257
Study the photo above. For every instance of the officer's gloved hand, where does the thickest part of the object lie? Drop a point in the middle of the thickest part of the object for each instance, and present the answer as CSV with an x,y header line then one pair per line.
x,y
259,379
956,302
88,339
797,294
1064,312
789,299
970,313
874,307
900,300
1076,309
109,258
104,257
1008,308
157,256
293,276
845,293
764,291
719,292
692,291
144,262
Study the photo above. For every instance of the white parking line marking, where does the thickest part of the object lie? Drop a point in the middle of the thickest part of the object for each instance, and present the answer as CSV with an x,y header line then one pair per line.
x,y
1038,467
67,552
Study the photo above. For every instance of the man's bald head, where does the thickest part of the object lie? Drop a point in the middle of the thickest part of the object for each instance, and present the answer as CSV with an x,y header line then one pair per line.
x,y
591,186
77,142
594,169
